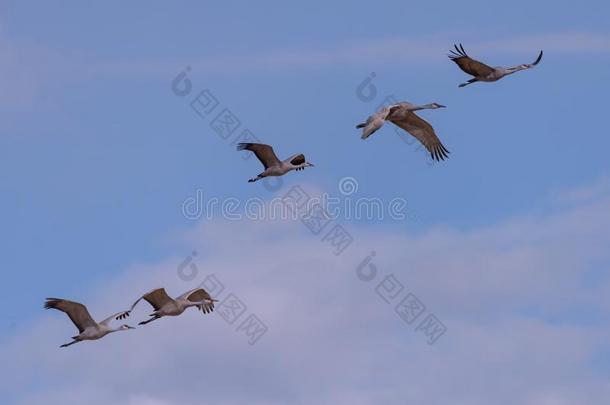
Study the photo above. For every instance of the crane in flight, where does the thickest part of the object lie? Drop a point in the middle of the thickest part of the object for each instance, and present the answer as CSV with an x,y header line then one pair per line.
x,y
403,115
79,315
482,72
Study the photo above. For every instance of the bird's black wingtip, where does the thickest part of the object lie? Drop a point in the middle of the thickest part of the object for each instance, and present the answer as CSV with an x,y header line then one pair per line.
x,y
539,58
459,52
241,146
123,315
50,303
439,153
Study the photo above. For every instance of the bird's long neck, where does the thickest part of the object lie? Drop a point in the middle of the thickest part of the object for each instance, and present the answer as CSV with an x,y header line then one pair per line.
x,y
422,107
511,70
188,304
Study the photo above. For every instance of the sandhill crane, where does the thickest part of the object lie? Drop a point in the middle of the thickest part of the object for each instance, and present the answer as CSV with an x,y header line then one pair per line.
x,y
273,165
482,72
88,329
164,305
402,115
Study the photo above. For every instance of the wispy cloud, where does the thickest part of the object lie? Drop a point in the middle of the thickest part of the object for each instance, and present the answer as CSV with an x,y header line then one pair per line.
x,y
590,192
562,43
29,72
399,51
26,68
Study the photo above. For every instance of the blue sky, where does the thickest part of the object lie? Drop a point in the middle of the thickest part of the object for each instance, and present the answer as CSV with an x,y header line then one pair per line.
x,y
97,156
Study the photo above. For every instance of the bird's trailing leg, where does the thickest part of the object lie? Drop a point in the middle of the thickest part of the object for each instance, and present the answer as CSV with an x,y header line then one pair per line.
x,y
149,320
468,82
260,176
71,343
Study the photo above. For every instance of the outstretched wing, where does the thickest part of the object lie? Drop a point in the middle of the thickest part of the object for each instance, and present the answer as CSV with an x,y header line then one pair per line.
x,y
423,132
198,295
157,298
467,64
118,315
77,312
263,152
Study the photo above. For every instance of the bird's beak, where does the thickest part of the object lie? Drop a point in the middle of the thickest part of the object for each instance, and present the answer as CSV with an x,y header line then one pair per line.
x,y
130,327
441,106
310,164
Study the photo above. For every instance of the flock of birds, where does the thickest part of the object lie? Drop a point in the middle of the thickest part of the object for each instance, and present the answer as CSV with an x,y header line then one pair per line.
x,y
401,114
163,305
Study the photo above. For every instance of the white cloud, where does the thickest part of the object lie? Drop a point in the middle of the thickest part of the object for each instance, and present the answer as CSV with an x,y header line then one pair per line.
x,y
524,303
588,193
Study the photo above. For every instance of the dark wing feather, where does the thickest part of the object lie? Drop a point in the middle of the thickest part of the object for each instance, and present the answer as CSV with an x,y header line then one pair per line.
x,y
78,313
263,152
157,298
467,64
199,295
298,160
423,132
